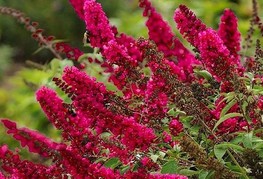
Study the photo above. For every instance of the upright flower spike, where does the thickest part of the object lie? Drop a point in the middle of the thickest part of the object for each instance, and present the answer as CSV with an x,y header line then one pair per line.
x,y
161,33
97,24
117,54
124,73
228,32
214,54
188,24
156,101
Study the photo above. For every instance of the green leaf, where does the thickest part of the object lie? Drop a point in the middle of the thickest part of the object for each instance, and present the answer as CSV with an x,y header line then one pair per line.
x,y
99,160
38,50
171,112
259,145
225,117
175,112
187,172
247,140
203,174
235,147
227,107
238,139
59,41
229,97
54,64
169,167
204,74
165,145
112,163
105,135
245,79
219,151
135,166
124,169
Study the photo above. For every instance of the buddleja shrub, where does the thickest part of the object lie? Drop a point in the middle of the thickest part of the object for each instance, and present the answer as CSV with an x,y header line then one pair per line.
x,y
176,113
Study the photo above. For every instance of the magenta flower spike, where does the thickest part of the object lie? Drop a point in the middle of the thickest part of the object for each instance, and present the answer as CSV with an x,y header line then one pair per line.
x,y
97,24
52,105
214,54
161,33
228,32
188,24
91,97
60,115
36,142
130,44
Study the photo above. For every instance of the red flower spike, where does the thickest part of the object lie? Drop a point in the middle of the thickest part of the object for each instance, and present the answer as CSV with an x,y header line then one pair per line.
x,y
97,24
215,54
188,24
228,32
35,142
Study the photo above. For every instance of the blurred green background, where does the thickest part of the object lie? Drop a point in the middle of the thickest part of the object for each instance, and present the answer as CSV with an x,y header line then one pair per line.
x,y
18,83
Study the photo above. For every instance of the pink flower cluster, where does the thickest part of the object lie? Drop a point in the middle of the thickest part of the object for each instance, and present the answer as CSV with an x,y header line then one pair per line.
x,y
175,127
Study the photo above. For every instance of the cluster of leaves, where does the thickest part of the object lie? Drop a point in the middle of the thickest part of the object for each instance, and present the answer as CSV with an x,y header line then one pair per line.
x,y
164,111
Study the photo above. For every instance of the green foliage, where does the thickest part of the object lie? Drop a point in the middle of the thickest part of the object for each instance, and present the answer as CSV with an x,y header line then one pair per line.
x,y
112,163
170,167
5,58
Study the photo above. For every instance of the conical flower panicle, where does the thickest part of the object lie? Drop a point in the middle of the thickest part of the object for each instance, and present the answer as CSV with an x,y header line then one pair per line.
x,y
228,32
97,24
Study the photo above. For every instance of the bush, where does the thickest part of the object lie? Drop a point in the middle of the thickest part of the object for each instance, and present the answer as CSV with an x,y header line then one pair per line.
x,y
173,113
